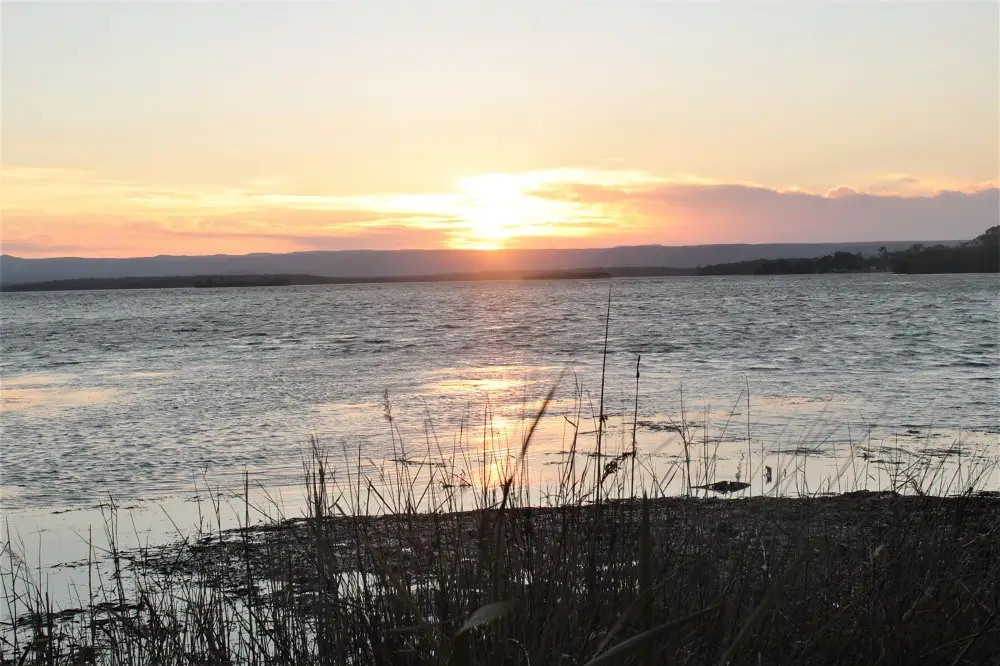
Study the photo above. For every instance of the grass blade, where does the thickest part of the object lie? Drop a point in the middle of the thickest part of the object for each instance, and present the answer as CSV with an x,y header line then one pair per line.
x,y
770,598
485,615
627,647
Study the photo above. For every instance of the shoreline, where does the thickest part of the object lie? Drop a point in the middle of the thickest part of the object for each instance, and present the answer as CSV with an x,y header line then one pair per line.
x,y
847,578
862,509
227,281
217,281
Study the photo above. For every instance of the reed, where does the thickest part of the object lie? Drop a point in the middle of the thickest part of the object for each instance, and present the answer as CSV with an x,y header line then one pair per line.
x,y
389,565
458,557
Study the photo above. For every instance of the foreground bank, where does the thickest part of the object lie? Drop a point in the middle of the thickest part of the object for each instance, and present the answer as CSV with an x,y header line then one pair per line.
x,y
856,578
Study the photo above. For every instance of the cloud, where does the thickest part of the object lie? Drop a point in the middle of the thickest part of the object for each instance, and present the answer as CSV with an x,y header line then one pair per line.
x,y
907,185
58,212
62,211
104,236
688,214
842,191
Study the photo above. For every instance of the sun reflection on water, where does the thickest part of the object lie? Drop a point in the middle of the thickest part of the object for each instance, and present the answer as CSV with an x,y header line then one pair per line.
x,y
48,391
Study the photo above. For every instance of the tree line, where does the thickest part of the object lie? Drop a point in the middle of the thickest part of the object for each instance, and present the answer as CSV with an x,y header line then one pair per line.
x,y
979,255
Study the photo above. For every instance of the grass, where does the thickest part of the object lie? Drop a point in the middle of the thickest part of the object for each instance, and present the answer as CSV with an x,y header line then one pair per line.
x,y
469,561
390,566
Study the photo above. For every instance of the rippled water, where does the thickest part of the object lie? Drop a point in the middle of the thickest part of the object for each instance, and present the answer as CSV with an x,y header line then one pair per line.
x,y
137,393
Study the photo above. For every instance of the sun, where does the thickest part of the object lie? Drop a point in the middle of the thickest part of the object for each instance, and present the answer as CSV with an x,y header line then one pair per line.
x,y
496,209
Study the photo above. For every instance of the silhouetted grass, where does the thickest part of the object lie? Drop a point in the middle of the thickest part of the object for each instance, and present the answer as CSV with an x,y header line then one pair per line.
x,y
461,559
866,577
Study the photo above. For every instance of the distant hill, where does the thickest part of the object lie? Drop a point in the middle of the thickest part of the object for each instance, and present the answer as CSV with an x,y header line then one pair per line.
x,y
979,255
402,263
273,280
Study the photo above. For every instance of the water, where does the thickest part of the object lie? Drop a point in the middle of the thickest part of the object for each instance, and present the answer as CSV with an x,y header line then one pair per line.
x,y
152,397
142,393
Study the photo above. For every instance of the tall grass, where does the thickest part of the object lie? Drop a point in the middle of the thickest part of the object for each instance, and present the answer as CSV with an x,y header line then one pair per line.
x,y
458,557
390,565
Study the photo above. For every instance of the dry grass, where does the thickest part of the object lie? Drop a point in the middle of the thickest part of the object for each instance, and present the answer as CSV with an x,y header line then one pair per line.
x,y
365,578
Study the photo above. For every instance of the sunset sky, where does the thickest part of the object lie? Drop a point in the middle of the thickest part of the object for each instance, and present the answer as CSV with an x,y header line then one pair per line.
x,y
134,129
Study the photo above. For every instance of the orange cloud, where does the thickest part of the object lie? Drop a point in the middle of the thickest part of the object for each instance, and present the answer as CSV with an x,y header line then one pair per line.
x,y
696,214
100,236
50,212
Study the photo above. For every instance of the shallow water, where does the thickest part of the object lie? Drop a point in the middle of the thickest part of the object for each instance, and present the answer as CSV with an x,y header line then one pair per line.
x,y
141,393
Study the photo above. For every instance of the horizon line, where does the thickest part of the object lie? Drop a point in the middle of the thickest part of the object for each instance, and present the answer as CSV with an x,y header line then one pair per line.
x,y
4,255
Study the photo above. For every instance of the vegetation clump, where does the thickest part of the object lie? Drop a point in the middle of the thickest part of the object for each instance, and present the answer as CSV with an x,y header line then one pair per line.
x,y
865,577
463,559
980,255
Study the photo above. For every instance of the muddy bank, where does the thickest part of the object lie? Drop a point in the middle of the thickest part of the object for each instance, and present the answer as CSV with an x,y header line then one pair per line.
x,y
857,578
850,526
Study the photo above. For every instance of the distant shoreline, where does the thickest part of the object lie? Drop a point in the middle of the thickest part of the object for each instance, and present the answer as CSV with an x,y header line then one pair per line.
x,y
356,266
265,280
249,281
979,255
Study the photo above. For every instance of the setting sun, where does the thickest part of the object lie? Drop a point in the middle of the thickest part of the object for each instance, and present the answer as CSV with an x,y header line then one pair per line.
x,y
498,208
496,205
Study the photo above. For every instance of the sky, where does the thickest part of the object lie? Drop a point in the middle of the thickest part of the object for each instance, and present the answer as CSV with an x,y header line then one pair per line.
x,y
137,129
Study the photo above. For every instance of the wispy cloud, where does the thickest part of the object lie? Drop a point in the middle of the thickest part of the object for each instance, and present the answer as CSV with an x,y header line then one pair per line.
x,y
739,213
65,211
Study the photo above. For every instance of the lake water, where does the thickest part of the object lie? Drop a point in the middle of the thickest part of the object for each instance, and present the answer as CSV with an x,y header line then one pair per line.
x,y
143,395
